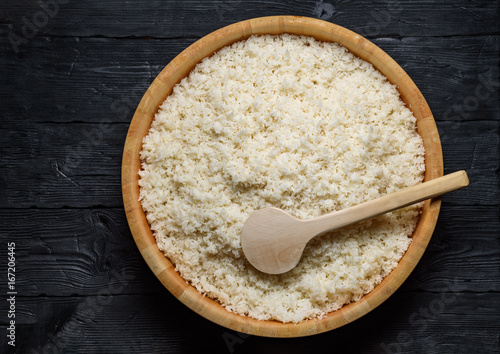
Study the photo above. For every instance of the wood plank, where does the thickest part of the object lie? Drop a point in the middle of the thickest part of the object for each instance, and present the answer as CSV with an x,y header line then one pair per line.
x,y
89,80
458,76
464,146
73,165
79,250
83,250
451,256
78,165
196,18
419,322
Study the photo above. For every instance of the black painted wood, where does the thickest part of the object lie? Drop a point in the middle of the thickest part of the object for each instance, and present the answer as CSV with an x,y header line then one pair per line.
x,y
420,322
194,18
80,250
450,71
68,90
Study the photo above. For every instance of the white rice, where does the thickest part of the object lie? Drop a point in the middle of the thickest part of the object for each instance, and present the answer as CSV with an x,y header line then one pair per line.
x,y
289,122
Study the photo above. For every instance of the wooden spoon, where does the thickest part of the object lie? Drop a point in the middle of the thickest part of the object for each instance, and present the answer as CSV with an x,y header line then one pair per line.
x,y
273,241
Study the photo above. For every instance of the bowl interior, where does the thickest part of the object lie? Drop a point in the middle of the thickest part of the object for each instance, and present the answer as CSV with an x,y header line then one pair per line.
x,y
180,67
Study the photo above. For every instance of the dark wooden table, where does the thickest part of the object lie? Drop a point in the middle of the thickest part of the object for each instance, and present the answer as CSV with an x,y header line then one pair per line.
x,y
71,75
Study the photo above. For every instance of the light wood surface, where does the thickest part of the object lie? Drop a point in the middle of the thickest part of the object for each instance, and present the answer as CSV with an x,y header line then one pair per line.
x,y
162,86
273,241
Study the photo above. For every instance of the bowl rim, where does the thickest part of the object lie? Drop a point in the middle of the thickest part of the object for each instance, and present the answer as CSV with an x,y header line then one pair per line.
x,y
162,86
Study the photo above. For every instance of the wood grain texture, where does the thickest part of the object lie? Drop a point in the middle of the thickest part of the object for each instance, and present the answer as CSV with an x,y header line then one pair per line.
x,y
188,18
83,250
420,323
68,165
447,70
91,64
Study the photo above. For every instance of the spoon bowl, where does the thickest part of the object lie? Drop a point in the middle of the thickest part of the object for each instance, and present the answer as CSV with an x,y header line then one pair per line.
x,y
273,240
270,243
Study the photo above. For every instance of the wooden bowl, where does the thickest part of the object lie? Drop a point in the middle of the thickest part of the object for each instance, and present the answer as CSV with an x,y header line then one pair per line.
x,y
162,86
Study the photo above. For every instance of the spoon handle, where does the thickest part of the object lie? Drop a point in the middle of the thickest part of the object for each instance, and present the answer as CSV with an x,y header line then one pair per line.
x,y
385,204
